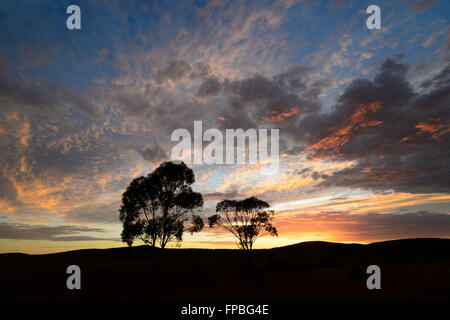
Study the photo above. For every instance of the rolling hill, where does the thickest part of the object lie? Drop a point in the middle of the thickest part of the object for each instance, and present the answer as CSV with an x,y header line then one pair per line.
x,y
410,269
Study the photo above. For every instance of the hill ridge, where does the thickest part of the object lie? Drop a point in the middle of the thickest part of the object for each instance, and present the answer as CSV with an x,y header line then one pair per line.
x,y
317,244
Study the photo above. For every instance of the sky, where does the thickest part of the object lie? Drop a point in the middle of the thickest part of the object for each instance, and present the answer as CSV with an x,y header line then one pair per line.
x,y
363,115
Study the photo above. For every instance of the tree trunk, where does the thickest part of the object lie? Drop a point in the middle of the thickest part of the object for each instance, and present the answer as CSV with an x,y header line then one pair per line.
x,y
249,254
160,255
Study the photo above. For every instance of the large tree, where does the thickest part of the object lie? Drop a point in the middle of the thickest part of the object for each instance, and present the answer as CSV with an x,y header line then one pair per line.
x,y
154,208
246,219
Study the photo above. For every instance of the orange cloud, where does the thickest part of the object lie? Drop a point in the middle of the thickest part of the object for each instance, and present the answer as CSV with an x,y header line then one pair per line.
x,y
433,127
340,136
281,116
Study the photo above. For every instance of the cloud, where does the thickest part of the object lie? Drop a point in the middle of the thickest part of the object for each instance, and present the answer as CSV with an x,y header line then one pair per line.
x,y
210,87
94,214
176,70
41,232
398,137
51,163
132,102
442,79
421,5
199,70
45,95
7,189
258,100
428,42
102,55
233,194
152,153
277,94
447,39
371,226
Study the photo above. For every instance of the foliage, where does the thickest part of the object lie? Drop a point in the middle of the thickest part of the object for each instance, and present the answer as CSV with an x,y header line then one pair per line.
x,y
246,219
154,207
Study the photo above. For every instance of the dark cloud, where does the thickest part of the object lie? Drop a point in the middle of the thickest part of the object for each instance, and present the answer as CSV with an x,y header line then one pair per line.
x,y
39,96
199,70
79,100
221,195
45,95
256,100
302,171
175,111
259,100
294,150
308,172
294,78
399,137
132,103
210,87
447,39
40,232
152,153
440,80
7,189
270,96
175,70
317,175
339,198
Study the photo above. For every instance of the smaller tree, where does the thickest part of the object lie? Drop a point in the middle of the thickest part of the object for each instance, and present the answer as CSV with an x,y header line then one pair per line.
x,y
246,219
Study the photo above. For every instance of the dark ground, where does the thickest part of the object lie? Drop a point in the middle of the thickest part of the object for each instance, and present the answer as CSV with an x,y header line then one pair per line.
x,y
410,269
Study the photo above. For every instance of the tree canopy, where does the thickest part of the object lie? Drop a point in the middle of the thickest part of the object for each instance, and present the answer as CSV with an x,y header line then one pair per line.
x,y
154,208
246,219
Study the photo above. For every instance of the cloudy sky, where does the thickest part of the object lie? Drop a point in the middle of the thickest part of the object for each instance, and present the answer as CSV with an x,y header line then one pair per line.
x,y
364,115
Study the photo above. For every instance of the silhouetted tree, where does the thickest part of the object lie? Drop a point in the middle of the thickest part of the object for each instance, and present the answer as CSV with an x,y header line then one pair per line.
x,y
246,219
154,207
